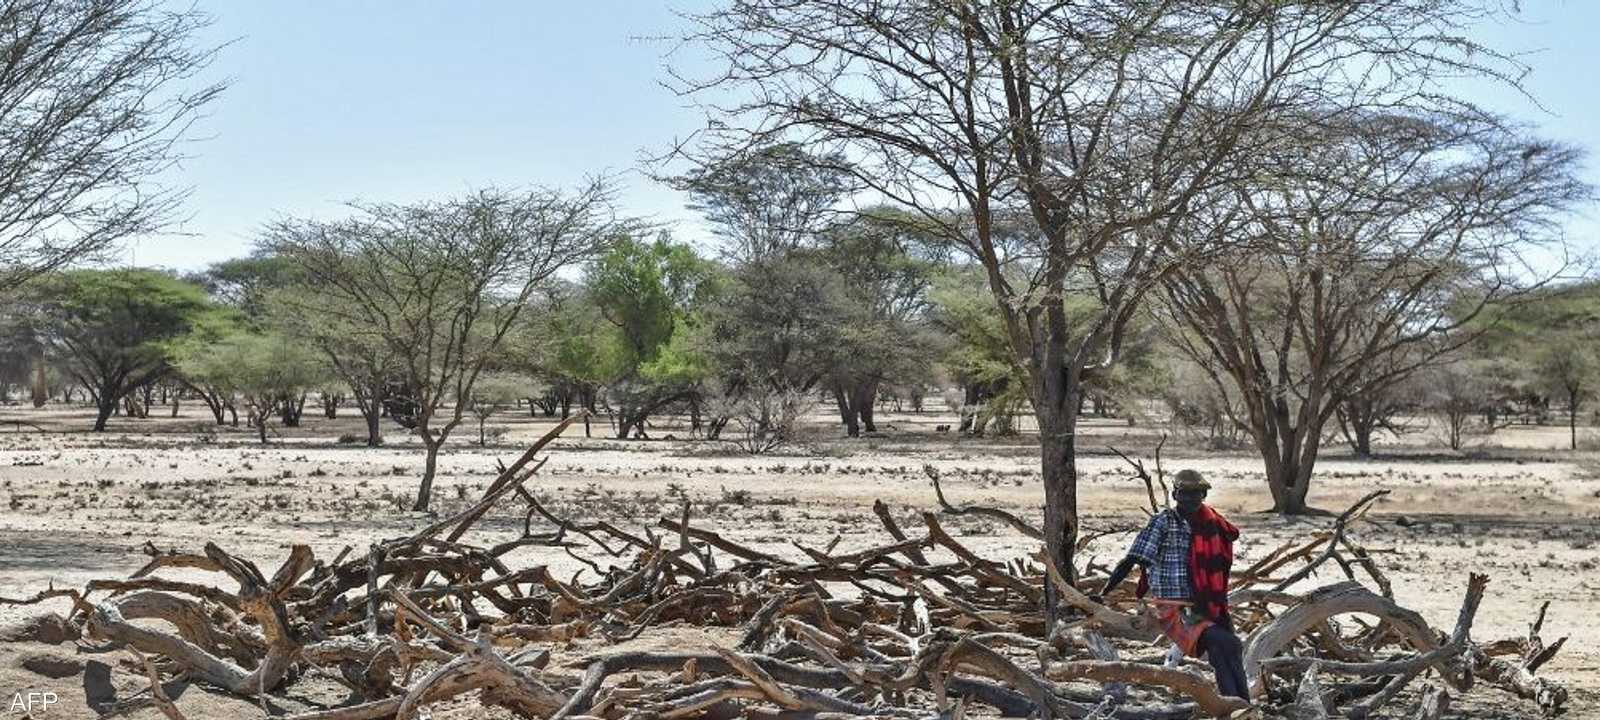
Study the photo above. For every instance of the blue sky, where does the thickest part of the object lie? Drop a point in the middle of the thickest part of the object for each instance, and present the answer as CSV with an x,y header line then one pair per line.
x,y
399,101
402,100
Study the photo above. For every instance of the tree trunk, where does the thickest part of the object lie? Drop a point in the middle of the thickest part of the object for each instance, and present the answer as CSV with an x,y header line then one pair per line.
x,y
1455,424
1363,440
1290,461
291,409
330,406
1057,416
1572,417
1288,491
371,405
849,414
374,432
1358,418
106,405
546,404
214,403
866,400
41,388
429,466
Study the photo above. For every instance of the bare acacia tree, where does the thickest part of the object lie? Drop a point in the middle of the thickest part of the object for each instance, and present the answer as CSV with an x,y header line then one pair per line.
x,y
95,101
766,200
1379,404
1457,393
1369,253
365,361
439,284
1102,123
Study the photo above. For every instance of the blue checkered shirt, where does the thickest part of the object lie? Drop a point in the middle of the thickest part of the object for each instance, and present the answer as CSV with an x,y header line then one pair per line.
x,y
1162,549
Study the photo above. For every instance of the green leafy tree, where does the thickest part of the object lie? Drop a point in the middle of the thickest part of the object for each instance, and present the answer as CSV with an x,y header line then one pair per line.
x,y
246,284
1538,347
563,343
113,330
1568,367
21,356
648,292
268,372
769,200
204,372
778,326
977,355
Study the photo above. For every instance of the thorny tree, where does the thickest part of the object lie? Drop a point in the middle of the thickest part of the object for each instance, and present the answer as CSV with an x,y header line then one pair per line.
x,y
886,276
1568,368
1366,255
363,361
1383,398
766,201
779,322
439,284
1103,122
92,110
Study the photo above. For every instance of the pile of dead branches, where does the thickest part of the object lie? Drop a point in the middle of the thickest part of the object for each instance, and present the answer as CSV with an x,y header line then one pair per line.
x,y
919,626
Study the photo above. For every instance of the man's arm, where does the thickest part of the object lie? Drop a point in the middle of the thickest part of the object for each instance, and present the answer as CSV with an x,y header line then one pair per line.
x,y
1118,574
1144,550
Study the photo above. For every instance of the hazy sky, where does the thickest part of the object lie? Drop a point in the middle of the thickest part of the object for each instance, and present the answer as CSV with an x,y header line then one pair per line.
x,y
338,100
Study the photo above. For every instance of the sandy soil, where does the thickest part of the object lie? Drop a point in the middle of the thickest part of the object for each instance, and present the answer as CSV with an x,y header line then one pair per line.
x,y
74,506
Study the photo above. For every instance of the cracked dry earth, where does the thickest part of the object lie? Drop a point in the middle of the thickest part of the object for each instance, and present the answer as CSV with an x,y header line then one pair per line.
x,y
76,506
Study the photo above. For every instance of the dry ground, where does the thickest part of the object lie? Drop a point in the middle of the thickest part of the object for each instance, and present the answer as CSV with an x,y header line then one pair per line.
x,y
75,505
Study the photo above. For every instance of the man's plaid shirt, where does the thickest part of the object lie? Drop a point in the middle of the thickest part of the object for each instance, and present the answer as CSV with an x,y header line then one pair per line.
x,y
1162,548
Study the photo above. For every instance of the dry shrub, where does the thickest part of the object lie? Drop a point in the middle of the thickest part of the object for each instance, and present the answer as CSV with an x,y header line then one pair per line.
x,y
763,419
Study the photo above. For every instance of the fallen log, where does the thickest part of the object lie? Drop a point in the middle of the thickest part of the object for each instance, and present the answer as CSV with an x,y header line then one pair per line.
x,y
1326,602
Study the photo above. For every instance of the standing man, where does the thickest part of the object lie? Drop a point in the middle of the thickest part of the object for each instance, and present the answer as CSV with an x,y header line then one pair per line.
x,y
1185,554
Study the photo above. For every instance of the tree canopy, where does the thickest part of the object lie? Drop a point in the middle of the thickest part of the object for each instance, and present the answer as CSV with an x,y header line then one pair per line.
x,y
114,330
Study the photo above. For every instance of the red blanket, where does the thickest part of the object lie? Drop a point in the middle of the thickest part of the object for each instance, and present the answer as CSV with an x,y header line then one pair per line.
x,y
1210,559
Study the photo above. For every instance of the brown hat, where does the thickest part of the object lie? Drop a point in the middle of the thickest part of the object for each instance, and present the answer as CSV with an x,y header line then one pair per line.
x,y
1190,480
